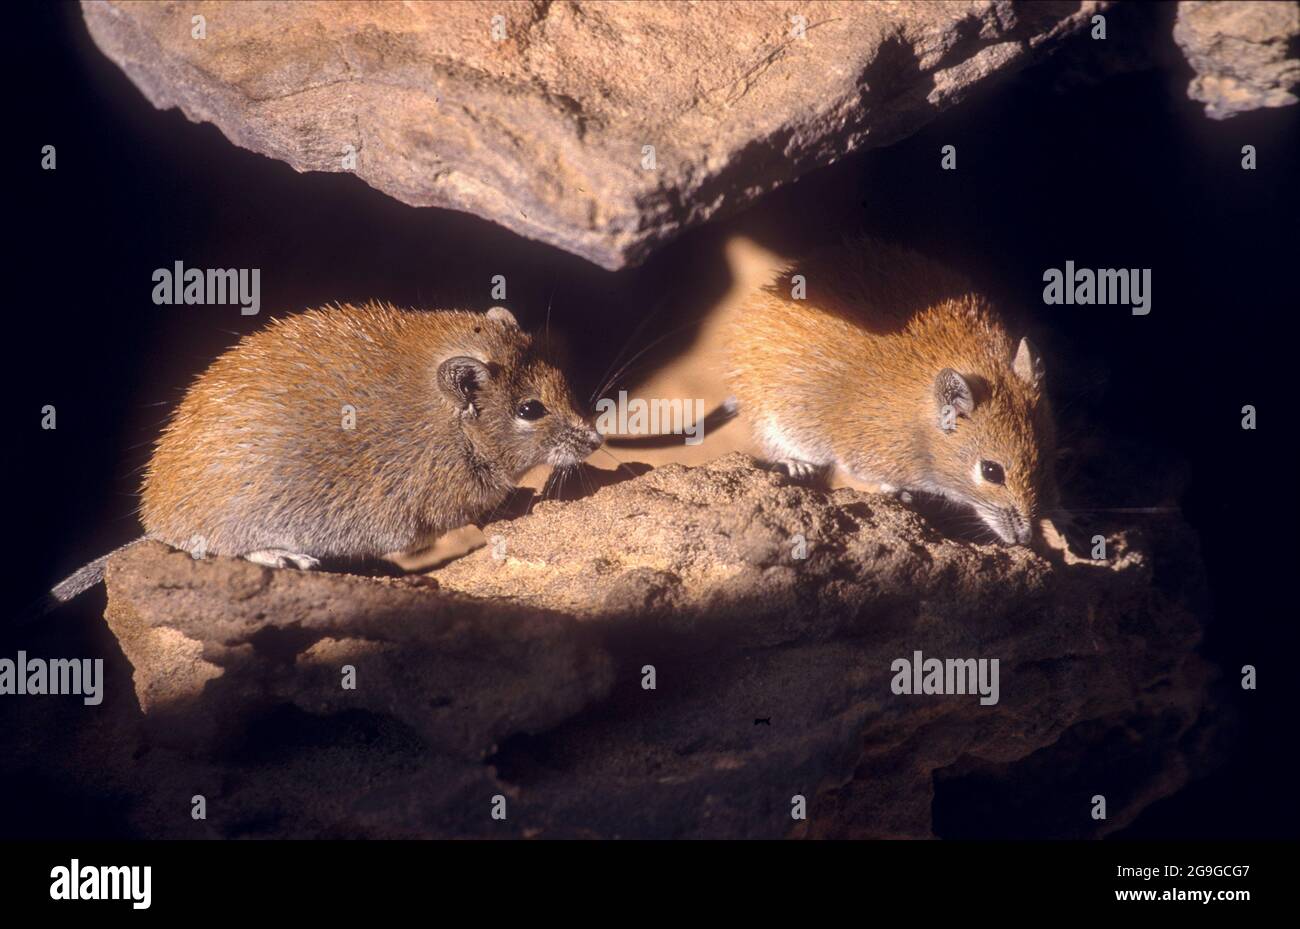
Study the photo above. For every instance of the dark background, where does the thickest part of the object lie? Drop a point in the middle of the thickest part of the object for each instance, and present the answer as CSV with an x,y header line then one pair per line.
x,y
1121,173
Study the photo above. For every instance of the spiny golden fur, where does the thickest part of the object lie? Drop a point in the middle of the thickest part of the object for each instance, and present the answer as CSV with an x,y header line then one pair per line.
x,y
847,377
256,456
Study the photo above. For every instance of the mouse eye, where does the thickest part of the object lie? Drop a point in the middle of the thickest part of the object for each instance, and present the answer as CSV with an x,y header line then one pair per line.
x,y
531,409
992,472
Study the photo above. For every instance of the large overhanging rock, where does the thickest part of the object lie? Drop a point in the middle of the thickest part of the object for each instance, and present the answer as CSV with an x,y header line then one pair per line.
x,y
604,128
524,675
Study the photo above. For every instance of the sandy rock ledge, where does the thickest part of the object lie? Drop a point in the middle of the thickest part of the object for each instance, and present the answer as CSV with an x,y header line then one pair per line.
x,y
521,675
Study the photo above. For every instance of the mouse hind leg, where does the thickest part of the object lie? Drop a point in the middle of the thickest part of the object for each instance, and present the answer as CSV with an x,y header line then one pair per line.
x,y
280,558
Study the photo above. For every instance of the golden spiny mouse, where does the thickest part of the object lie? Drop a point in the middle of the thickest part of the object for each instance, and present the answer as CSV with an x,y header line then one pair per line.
x,y
897,371
351,432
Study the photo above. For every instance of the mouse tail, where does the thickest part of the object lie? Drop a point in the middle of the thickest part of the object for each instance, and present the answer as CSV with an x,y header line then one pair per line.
x,y
76,583
721,414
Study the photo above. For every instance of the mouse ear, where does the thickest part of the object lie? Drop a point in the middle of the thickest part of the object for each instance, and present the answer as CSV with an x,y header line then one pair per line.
x,y
460,378
1028,364
953,397
501,313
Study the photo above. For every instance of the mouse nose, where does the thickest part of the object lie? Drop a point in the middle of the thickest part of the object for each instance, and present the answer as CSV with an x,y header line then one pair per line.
x,y
1021,527
588,435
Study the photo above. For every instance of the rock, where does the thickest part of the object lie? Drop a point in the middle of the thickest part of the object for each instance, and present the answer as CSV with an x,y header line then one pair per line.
x,y
1244,54
522,674
214,641
546,130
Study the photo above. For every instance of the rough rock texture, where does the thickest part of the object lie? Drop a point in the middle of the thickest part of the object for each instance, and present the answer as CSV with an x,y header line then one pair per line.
x,y
521,675
463,674
545,130
1244,54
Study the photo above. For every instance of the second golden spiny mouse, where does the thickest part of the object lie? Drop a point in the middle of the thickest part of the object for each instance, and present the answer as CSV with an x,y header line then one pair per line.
x,y
896,370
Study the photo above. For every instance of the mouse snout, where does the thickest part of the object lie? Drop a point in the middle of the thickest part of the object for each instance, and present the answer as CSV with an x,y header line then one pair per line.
x,y
584,435
578,440
588,437
1021,528
1009,524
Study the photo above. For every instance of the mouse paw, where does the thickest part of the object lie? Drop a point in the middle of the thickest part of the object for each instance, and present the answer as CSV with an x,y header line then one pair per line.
x,y
279,558
1060,532
798,470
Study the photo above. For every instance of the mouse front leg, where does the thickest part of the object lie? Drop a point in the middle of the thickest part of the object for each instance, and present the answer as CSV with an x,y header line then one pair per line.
x,y
279,558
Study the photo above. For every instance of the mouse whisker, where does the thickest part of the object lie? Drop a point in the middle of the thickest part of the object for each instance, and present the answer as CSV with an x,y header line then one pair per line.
x,y
546,329
588,486
610,380
564,479
626,345
621,465
617,374
542,493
